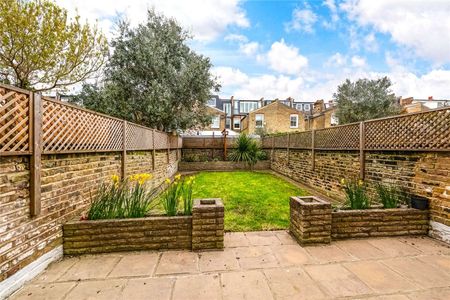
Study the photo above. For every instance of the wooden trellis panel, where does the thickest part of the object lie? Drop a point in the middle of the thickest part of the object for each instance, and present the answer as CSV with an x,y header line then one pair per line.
x,y
281,141
138,137
266,142
160,140
14,121
420,131
300,140
67,128
338,137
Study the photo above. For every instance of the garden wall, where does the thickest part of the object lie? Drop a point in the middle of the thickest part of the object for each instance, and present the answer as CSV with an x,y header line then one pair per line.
x,y
422,173
312,221
221,166
203,230
67,181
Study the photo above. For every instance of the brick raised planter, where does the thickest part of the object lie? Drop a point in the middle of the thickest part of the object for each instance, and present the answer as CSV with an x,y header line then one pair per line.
x,y
378,222
313,222
221,166
310,220
202,230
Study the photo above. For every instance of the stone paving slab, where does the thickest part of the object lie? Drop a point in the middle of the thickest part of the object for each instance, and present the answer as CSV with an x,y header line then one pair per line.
x,y
256,265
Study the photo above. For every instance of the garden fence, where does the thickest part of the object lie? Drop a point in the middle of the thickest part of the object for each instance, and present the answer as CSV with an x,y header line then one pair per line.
x,y
32,125
422,131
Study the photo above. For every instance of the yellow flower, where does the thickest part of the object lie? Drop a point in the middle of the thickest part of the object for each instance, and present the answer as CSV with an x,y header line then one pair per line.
x,y
167,180
178,176
342,181
115,178
360,182
140,178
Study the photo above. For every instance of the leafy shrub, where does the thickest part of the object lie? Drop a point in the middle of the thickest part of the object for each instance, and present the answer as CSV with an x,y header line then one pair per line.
x,y
356,194
390,195
130,198
246,150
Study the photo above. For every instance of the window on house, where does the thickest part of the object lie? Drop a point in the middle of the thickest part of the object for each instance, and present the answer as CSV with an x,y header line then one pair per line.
x,y
227,108
212,102
215,121
294,121
259,119
237,123
246,107
307,107
299,106
228,123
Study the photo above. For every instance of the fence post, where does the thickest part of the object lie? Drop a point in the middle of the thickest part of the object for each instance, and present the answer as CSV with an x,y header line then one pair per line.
x,y
168,147
213,145
124,151
176,150
273,149
362,153
35,114
313,150
154,151
288,147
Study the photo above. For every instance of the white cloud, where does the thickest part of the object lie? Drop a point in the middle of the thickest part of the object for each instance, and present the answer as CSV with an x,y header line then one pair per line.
x,y
423,26
333,11
250,48
336,60
286,59
236,38
206,19
302,20
321,85
358,61
370,42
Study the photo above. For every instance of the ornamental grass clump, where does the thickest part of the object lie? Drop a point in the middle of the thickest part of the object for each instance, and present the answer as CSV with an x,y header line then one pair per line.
x,y
178,191
356,194
119,199
389,195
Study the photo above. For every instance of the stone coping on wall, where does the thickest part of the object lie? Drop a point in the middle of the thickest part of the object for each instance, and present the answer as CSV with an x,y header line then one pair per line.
x,y
202,230
221,166
312,221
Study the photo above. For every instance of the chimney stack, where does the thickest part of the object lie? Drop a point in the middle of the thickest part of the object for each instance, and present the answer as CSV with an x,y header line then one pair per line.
x,y
430,97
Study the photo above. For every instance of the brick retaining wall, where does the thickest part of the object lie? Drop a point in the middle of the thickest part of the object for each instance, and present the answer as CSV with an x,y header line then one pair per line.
x,y
378,222
202,230
221,166
313,222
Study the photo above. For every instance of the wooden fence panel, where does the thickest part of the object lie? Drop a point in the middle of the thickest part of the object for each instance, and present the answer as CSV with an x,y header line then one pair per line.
x,y
14,121
345,137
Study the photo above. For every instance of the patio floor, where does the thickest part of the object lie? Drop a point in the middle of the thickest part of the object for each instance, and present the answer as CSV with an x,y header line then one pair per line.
x,y
257,265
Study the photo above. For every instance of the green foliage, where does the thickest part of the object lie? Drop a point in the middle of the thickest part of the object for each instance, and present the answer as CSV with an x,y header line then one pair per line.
x,y
41,49
246,150
252,200
180,190
356,194
391,196
153,78
187,189
365,99
122,199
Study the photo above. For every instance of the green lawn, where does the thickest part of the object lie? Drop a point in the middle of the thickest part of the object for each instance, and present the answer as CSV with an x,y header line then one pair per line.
x,y
253,201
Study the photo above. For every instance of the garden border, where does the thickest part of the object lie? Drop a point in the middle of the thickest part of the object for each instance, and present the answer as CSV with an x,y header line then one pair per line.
x,y
312,221
202,230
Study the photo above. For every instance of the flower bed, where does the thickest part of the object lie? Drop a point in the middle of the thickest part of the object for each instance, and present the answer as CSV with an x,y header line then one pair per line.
x,y
313,221
202,230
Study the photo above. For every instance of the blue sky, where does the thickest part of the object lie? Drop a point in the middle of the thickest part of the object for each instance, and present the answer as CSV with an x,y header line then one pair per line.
x,y
305,49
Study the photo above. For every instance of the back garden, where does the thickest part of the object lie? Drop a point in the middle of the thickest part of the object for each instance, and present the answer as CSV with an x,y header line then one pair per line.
x,y
129,208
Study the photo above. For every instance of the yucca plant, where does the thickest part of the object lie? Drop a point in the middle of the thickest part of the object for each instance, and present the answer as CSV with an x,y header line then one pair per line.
x,y
356,194
246,150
